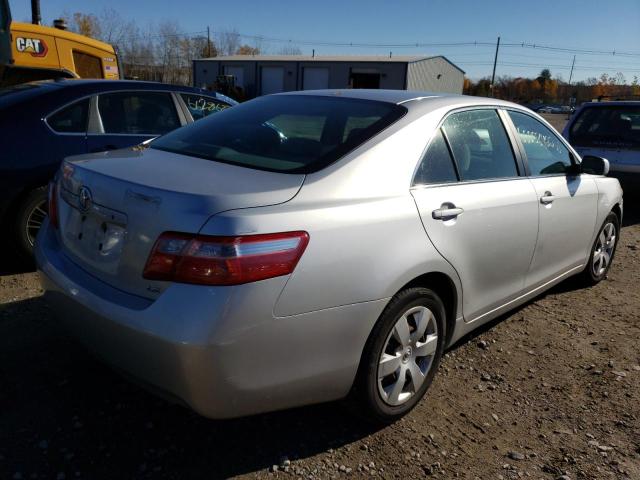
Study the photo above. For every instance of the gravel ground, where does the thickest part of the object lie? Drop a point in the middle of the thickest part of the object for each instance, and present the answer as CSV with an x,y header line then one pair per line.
x,y
550,391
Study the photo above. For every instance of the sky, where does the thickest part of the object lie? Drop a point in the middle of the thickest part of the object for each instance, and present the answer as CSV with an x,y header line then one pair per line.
x,y
388,26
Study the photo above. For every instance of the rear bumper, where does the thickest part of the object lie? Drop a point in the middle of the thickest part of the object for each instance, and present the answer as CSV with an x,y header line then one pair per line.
x,y
220,350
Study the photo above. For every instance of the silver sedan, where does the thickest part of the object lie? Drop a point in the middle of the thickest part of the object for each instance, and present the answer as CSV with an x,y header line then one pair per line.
x,y
310,246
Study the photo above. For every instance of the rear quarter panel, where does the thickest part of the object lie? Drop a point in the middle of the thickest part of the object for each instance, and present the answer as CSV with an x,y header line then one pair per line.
x,y
366,237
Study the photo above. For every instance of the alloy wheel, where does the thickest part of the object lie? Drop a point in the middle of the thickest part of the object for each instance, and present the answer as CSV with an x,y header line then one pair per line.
x,y
407,355
604,249
34,221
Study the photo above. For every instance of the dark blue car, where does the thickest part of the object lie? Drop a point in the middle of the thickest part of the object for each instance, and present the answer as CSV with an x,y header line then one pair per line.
x,y
43,122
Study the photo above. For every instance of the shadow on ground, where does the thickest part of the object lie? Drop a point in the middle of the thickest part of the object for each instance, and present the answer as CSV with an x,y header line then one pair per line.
x,y
63,411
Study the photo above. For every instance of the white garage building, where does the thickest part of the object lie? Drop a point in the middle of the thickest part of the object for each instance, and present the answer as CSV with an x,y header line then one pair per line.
x,y
264,74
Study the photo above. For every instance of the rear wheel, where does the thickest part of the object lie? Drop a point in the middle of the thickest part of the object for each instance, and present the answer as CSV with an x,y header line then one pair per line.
x,y
29,217
402,354
603,250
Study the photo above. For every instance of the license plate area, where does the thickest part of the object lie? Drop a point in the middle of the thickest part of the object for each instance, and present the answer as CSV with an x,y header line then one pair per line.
x,y
96,236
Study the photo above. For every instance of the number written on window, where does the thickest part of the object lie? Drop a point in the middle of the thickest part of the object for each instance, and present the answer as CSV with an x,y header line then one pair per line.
x,y
546,154
201,106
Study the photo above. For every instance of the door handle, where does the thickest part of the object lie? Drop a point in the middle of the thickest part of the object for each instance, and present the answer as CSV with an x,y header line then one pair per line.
x,y
547,198
446,211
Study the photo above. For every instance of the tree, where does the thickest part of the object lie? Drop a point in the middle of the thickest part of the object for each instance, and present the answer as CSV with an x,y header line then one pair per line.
x,y
83,23
228,42
247,50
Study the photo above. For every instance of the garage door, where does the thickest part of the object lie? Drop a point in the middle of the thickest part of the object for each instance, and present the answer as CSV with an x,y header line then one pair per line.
x,y
272,80
315,78
237,72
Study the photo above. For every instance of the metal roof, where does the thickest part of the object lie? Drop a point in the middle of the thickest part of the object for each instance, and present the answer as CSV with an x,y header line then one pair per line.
x,y
328,58
320,58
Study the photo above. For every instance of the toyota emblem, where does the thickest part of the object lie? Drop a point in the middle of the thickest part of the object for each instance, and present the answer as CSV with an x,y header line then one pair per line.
x,y
84,199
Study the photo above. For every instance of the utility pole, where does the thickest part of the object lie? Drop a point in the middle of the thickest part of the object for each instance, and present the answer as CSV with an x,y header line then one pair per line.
x,y
495,62
208,42
572,64
572,98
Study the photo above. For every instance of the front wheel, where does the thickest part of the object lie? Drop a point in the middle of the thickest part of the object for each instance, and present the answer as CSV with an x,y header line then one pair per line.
x,y
603,250
402,354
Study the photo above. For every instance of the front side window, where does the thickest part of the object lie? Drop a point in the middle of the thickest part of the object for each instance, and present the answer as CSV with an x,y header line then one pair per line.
x,y
436,165
283,133
546,154
610,126
201,106
141,113
480,145
71,119
87,66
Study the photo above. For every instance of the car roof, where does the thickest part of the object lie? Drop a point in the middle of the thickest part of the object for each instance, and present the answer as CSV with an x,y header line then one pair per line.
x,y
611,103
70,88
65,83
409,98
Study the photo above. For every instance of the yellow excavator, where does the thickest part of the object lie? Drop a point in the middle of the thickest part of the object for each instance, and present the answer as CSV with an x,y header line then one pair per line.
x,y
31,51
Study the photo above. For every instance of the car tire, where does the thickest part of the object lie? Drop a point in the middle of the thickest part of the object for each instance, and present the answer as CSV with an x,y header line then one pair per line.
x,y
29,216
602,251
384,393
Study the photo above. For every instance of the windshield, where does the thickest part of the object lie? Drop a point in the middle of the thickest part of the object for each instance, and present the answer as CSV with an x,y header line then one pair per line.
x,y
283,133
614,126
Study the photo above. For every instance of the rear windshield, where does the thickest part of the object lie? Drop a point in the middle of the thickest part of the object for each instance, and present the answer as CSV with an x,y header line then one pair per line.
x,y
283,133
614,126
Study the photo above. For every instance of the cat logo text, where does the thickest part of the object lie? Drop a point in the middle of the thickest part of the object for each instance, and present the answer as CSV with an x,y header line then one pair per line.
x,y
35,46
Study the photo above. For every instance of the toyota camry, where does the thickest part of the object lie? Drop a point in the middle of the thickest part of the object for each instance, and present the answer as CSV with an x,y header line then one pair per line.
x,y
310,246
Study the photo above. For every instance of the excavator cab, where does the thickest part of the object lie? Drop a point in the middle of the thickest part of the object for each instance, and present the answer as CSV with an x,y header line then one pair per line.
x,y
31,51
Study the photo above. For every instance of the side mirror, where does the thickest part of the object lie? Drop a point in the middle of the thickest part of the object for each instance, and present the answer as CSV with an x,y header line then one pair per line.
x,y
594,165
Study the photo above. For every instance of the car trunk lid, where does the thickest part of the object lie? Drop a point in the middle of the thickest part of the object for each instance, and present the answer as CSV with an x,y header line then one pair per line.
x,y
116,204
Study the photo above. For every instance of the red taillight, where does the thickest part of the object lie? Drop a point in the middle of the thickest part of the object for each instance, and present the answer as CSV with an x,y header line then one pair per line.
x,y
53,205
212,260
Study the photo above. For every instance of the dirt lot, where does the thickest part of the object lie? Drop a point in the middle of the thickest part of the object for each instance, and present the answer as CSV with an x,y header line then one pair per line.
x,y
549,391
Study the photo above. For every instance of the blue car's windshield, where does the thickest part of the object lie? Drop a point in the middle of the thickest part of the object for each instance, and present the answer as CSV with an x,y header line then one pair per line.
x,y
283,133
610,126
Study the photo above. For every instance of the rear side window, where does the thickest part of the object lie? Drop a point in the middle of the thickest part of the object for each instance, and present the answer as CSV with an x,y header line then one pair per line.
x,y
87,66
546,154
141,113
480,145
615,126
284,133
437,165
201,106
71,119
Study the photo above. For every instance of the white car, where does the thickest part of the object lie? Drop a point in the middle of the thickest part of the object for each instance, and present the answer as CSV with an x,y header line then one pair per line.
x,y
304,247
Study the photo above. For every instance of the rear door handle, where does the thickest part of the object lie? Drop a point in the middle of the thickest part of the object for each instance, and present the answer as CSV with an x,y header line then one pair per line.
x,y
446,212
547,198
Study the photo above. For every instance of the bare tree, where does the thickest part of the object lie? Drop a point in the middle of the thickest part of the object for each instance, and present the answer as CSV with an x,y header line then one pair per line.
x,y
228,42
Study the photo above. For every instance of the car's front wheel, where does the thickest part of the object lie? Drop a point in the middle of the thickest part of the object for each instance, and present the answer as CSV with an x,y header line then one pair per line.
x,y
603,250
29,217
402,354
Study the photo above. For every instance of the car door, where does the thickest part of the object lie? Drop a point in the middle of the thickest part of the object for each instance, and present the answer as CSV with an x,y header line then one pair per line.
x,y
567,202
129,118
478,210
199,106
